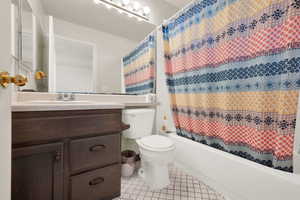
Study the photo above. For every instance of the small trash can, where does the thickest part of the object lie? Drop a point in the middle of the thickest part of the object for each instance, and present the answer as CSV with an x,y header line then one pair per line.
x,y
128,163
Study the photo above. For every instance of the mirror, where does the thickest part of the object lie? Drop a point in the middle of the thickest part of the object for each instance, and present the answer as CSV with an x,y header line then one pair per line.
x,y
29,48
74,61
79,53
27,36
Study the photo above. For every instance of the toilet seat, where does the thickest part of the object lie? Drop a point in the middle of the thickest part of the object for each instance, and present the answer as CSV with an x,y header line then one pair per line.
x,y
156,143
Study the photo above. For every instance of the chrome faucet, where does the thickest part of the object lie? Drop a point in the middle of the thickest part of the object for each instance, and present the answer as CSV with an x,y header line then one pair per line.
x,y
72,97
66,97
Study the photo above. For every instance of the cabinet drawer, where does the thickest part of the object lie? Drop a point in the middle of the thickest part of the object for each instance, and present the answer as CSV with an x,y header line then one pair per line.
x,y
95,152
36,127
101,184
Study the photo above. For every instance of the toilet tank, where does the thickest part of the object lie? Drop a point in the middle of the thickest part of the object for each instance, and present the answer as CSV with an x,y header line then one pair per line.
x,y
141,122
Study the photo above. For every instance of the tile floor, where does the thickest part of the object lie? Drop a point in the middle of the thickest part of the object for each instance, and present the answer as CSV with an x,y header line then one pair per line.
x,y
182,187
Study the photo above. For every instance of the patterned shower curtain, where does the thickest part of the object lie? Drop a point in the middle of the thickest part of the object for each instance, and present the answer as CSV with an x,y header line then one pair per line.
x,y
233,70
139,68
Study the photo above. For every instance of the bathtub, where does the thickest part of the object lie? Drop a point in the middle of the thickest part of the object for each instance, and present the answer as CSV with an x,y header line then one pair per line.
x,y
236,178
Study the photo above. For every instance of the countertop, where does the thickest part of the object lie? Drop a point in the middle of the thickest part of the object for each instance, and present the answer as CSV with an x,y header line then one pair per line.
x,y
26,107
77,105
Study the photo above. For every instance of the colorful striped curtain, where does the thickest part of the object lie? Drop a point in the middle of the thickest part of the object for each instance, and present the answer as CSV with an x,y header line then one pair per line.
x,y
233,70
139,68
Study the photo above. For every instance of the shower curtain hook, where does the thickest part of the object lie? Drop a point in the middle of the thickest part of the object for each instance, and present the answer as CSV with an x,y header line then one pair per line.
x,y
165,22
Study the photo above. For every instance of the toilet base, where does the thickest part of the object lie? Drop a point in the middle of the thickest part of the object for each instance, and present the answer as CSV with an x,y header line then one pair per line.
x,y
155,176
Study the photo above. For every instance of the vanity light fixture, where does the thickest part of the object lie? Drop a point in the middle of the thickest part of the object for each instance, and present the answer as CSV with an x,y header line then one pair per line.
x,y
131,8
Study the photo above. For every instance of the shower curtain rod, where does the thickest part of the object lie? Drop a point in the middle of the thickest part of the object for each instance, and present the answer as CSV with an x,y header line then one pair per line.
x,y
143,40
165,21
159,27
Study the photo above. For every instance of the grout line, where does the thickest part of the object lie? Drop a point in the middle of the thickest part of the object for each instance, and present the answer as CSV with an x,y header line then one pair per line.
x,y
183,186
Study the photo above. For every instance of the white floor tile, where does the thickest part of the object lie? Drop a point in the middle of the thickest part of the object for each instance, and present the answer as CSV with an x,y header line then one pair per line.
x,y
182,187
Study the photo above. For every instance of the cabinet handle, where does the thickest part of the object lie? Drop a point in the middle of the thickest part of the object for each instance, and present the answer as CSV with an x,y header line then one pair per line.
x,y
99,147
96,181
57,156
125,126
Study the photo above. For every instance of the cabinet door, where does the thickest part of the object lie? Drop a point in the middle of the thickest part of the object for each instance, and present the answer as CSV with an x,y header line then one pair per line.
x,y
37,172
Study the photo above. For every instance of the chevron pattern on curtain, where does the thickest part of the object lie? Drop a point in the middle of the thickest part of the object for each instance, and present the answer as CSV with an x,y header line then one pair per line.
x,y
233,70
139,67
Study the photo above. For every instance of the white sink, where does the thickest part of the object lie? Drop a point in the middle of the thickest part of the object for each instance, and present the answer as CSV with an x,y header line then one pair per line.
x,y
46,102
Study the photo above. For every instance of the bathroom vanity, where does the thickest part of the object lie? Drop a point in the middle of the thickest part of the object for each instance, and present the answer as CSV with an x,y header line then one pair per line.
x,y
67,154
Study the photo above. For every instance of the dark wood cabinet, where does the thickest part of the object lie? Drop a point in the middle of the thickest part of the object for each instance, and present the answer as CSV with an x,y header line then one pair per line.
x,y
37,172
66,155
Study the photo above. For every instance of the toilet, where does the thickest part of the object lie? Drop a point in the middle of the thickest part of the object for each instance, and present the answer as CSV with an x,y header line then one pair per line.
x,y
156,151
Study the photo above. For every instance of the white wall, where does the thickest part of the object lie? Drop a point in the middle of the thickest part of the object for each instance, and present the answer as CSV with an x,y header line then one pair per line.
x,y
5,112
109,51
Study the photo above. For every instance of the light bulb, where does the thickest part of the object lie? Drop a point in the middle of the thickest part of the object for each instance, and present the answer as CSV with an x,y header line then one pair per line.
x,y
119,3
136,5
147,10
125,2
130,7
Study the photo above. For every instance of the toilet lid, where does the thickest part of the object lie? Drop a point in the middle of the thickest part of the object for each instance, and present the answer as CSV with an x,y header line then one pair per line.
x,y
157,142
